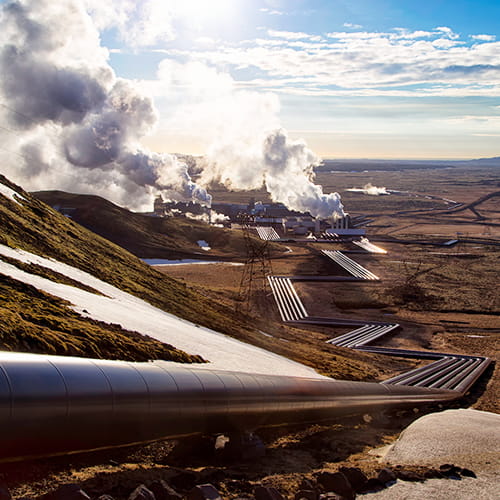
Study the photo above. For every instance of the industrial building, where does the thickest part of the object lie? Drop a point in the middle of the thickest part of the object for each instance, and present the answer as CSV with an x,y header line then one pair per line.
x,y
286,222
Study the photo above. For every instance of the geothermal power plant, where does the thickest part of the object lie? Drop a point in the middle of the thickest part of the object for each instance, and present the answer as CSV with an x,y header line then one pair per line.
x,y
52,405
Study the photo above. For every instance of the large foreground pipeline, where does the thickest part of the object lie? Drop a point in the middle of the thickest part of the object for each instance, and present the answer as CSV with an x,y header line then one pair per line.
x,y
51,405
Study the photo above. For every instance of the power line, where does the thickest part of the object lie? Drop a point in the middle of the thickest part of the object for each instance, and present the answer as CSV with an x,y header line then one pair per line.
x,y
15,111
20,134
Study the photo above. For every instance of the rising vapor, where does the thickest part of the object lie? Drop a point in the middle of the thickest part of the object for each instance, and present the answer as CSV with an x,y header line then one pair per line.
x,y
78,127
76,124
370,190
284,167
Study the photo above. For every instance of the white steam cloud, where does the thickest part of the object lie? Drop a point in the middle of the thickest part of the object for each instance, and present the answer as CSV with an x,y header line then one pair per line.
x,y
73,122
273,160
246,148
370,190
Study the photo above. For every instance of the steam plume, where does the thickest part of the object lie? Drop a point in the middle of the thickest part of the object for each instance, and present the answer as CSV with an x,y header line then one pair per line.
x,y
283,166
78,125
369,189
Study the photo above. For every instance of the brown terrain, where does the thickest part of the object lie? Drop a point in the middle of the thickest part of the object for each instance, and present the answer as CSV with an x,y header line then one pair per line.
x,y
445,298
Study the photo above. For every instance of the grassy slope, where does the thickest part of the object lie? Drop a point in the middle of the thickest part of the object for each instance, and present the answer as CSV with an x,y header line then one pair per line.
x,y
144,236
39,229
34,321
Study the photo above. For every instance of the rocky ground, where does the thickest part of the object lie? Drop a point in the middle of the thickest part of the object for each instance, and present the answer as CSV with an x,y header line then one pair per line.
x,y
344,458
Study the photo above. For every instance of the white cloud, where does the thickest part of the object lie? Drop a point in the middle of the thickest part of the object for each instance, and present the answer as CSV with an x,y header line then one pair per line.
x,y
484,38
205,40
411,35
79,125
139,23
398,62
448,32
272,12
290,35
445,43
352,26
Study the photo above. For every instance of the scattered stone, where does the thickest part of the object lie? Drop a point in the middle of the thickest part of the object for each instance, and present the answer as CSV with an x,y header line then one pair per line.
x,y
355,476
387,476
204,492
433,474
184,480
267,493
236,474
211,475
446,467
450,471
240,485
408,475
468,473
373,484
240,446
142,493
306,484
306,495
330,496
67,492
336,482
162,491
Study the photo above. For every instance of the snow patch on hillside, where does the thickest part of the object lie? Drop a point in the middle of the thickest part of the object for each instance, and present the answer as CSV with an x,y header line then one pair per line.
x,y
11,194
204,245
187,262
132,313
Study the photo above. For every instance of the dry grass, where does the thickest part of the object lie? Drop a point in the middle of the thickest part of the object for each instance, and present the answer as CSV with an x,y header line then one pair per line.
x,y
34,321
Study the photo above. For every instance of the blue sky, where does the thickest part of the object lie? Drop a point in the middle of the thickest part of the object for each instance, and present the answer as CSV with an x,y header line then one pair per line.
x,y
354,78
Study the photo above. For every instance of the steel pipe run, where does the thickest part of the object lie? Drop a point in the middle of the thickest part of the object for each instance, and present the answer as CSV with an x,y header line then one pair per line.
x,y
350,265
51,405
289,304
364,335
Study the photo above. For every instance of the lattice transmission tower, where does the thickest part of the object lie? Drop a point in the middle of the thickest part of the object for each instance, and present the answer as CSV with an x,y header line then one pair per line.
x,y
255,271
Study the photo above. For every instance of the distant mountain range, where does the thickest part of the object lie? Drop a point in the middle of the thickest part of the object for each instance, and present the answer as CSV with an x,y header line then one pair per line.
x,y
360,165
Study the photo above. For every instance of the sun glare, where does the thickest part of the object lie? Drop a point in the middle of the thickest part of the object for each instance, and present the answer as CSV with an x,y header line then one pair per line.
x,y
209,10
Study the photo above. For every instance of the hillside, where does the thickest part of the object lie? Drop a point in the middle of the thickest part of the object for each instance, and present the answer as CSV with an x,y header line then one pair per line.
x,y
145,236
35,321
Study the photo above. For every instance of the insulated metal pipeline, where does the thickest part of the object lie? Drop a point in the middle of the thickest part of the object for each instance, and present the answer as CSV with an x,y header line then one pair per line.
x,y
51,405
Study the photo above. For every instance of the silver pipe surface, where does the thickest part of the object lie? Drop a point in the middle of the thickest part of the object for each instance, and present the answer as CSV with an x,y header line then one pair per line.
x,y
51,405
